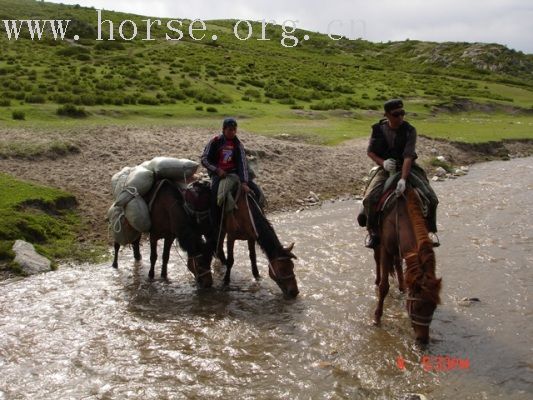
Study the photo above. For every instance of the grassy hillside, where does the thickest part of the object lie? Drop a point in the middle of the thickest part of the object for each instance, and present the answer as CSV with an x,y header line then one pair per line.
x,y
326,89
43,216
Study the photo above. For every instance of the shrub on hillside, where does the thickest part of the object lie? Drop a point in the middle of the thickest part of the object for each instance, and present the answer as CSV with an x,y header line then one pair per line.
x,y
73,51
254,82
148,100
176,95
18,115
110,46
70,110
35,99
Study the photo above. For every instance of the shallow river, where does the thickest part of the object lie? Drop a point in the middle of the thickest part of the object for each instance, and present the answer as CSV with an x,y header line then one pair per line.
x,y
91,332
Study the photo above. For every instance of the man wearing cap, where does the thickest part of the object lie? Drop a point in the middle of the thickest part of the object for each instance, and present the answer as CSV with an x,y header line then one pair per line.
x,y
392,148
223,155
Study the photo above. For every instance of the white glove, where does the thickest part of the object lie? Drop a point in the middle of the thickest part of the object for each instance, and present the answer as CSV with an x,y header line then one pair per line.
x,y
400,187
389,165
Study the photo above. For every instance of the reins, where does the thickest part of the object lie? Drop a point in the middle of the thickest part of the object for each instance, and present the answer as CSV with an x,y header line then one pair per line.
x,y
273,271
194,264
422,320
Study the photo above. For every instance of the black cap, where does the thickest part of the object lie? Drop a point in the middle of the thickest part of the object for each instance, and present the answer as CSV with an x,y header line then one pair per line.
x,y
393,105
229,122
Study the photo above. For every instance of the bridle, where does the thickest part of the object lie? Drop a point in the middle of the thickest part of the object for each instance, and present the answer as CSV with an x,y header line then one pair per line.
x,y
197,274
415,318
273,271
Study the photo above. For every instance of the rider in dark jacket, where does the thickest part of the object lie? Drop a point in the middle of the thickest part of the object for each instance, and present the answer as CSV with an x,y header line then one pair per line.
x,y
392,148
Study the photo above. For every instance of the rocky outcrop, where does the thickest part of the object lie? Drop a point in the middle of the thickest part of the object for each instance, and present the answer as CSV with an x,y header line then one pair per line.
x,y
29,260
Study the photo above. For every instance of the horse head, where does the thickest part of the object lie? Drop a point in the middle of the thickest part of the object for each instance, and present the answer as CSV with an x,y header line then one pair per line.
x,y
200,266
421,304
281,270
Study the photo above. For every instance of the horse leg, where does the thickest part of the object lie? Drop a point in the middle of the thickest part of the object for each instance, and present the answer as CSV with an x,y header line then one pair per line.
x,y
166,255
399,273
376,259
115,259
230,260
385,262
153,256
136,249
253,258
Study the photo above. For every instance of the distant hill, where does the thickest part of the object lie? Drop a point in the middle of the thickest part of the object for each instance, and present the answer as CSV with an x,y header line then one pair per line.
x,y
317,74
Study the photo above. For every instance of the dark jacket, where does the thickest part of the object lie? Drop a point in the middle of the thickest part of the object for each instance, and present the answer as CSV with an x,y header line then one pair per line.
x,y
211,154
405,134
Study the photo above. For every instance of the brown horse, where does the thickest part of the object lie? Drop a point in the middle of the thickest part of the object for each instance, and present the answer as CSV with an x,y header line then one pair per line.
x,y
229,260
247,222
404,236
169,222
197,201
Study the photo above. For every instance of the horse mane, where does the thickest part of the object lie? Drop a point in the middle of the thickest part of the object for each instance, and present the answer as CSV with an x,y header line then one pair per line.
x,y
420,271
266,236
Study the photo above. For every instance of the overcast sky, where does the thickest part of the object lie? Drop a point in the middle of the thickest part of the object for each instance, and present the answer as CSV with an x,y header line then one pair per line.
x,y
509,22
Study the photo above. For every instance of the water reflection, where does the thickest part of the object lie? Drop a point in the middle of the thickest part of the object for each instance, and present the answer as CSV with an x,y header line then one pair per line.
x,y
95,332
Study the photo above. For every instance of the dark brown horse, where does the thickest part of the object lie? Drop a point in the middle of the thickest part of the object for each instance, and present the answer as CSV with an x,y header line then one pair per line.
x,y
247,222
169,222
404,236
197,198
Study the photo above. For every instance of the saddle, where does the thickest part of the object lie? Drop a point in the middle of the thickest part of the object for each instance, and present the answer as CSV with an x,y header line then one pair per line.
x,y
388,196
197,197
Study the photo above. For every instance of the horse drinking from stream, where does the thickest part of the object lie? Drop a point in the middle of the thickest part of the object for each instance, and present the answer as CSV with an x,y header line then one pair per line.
x,y
404,236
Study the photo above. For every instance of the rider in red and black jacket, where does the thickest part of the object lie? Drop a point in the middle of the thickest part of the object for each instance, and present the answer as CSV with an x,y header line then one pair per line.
x,y
225,154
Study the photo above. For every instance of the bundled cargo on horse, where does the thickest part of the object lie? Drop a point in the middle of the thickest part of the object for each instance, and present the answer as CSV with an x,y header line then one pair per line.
x,y
129,216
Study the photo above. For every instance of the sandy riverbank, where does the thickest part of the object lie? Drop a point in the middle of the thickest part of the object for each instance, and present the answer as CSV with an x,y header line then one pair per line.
x,y
287,169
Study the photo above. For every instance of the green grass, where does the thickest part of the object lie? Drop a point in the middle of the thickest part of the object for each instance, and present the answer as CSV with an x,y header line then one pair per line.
x,y
40,215
166,83
476,127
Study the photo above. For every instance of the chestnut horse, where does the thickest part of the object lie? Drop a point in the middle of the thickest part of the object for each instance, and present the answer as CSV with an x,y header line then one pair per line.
x,y
170,221
247,222
404,236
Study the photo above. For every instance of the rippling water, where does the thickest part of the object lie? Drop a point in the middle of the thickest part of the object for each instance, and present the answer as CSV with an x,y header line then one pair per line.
x,y
92,332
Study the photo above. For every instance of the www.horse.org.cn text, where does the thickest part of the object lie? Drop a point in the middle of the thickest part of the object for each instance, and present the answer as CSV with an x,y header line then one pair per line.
x,y
174,30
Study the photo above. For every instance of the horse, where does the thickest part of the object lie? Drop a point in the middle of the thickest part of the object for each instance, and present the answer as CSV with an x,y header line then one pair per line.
x,y
170,221
229,260
247,222
197,203
404,235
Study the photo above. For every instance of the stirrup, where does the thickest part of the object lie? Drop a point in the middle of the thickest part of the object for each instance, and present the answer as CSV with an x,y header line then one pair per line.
x,y
435,243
